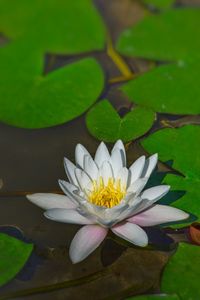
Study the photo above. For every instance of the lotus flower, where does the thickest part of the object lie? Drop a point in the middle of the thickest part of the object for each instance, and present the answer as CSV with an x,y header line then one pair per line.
x,y
103,194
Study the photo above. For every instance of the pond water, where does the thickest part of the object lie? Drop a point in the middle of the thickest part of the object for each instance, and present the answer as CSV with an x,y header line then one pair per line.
x,y
31,161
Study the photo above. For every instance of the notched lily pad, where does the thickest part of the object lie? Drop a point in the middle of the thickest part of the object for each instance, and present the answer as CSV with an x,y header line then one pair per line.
x,y
52,25
182,146
13,255
30,100
105,124
173,35
167,89
182,272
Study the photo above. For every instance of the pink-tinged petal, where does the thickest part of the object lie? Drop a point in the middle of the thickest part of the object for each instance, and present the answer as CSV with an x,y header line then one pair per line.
x,y
131,233
80,153
158,214
86,240
150,165
70,171
119,145
136,168
101,155
66,216
155,193
48,201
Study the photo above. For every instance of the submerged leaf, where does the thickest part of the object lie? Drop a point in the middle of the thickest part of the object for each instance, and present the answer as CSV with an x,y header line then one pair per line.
x,y
105,124
13,255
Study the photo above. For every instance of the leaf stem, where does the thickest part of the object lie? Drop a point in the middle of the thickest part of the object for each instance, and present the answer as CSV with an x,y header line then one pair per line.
x,y
118,60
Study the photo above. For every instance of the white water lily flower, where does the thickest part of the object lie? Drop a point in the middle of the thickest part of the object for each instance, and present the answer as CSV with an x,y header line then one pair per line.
x,y
102,194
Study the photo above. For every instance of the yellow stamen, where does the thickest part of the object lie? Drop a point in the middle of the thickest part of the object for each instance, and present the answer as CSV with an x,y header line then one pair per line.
x,y
107,195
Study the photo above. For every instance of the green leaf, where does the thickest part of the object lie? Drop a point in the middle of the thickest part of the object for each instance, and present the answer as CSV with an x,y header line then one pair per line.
x,y
182,273
105,124
182,146
53,25
13,255
31,100
161,4
173,35
155,297
167,89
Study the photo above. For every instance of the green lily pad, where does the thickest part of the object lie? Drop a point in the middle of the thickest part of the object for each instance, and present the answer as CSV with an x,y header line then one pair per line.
x,y
182,146
155,297
31,100
161,4
173,35
182,273
167,89
13,255
53,25
105,124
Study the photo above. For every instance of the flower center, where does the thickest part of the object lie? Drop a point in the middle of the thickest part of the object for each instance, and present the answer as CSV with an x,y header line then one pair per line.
x,y
107,195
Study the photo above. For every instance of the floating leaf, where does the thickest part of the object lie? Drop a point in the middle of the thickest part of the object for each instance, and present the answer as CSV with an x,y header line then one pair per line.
x,y
167,89
53,25
13,255
182,146
155,297
161,4
31,100
173,35
181,274
105,124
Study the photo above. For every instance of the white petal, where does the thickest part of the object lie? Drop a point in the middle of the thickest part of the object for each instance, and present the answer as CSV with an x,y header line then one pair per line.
x,y
71,191
137,186
131,233
150,165
86,240
158,214
106,172
82,178
123,177
80,153
90,167
155,193
69,169
116,161
101,155
119,145
48,201
66,216
136,168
